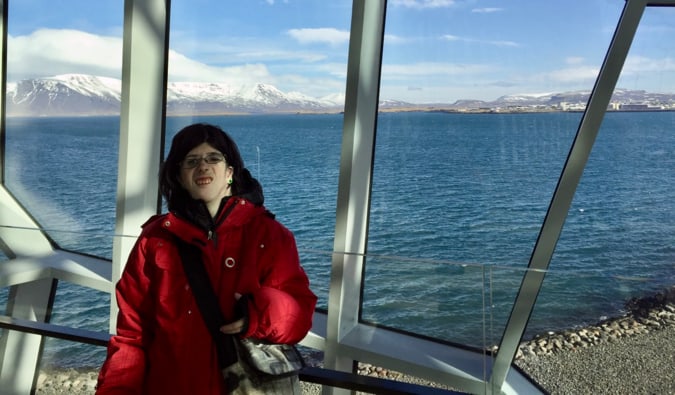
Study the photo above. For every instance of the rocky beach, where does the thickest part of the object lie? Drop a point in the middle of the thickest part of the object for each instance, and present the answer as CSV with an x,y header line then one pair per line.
x,y
631,354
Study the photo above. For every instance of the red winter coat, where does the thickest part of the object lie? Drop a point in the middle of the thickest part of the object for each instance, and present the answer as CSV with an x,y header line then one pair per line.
x,y
162,344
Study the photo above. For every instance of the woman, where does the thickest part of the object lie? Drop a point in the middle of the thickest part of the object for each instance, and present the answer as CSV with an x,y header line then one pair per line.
x,y
162,345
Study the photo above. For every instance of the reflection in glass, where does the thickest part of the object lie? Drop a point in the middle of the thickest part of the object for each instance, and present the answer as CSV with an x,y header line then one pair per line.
x,y
61,132
475,126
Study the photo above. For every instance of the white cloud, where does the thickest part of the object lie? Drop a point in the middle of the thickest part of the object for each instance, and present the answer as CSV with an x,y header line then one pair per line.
x,y
419,4
486,10
320,35
238,50
394,39
269,55
644,69
498,43
580,74
642,64
422,69
48,52
182,68
574,60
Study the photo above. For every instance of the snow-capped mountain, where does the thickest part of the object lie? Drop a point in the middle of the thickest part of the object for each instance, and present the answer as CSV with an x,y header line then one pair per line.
x,y
75,94
80,95
70,94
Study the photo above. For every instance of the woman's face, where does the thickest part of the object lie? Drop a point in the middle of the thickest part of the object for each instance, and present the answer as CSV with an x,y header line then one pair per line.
x,y
204,173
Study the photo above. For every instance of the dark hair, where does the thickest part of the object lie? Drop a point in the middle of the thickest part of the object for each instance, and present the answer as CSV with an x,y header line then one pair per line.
x,y
243,184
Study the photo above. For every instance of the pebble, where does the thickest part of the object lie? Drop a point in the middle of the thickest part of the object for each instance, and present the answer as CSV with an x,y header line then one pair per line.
x,y
70,381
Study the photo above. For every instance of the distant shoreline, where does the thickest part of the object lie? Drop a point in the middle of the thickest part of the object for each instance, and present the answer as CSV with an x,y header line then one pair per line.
x,y
385,110
502,111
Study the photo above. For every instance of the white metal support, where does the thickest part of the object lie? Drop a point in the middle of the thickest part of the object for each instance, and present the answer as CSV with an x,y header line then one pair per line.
x,y
354,183
21,351
31,298
3,84
144,66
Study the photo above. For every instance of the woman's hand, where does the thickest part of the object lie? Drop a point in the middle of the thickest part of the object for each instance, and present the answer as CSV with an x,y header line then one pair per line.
x,y
240,325
234,328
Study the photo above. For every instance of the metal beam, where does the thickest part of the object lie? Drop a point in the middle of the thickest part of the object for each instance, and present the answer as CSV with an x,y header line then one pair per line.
x,y
354,183
144,68
3,85
21,351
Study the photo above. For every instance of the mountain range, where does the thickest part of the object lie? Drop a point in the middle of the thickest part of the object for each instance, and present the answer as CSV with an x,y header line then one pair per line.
x,y
87,95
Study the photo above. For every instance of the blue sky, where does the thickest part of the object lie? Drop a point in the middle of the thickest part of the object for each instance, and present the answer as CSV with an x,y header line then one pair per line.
x,y
436,51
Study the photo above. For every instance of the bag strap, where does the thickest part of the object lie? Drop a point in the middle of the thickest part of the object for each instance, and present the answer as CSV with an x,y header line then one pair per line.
x,y
207,301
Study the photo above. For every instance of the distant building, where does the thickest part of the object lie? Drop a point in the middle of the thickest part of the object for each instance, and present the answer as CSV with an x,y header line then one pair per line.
x,y
639,107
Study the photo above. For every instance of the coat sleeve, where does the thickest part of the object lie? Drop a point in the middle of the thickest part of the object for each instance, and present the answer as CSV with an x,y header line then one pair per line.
x,y
124,368
281,309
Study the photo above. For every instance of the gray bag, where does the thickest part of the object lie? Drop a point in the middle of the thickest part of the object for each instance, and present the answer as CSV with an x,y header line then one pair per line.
x,y
264,368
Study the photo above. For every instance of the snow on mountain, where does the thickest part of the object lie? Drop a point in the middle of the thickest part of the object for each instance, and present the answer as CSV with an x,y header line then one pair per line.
x,y
90,85
334,99
525,98
394,104
199,91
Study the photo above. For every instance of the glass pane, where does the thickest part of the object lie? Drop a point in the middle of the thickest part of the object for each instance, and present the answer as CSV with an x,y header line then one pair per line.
x,y
278,88
63,73
474,130
618,237
456,302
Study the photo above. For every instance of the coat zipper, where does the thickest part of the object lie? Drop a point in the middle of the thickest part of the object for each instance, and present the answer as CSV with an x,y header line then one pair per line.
x,y
211,234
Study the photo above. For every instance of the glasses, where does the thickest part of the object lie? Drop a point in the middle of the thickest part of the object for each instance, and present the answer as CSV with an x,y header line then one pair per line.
x,y
192,161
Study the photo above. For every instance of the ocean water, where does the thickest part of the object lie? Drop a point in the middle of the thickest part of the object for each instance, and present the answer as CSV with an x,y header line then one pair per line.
x,y
457,205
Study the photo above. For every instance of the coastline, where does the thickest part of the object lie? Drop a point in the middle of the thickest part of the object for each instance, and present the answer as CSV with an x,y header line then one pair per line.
x,y
630,354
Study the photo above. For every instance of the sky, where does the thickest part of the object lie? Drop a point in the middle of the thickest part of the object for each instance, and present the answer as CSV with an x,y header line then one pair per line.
x,y
435,51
